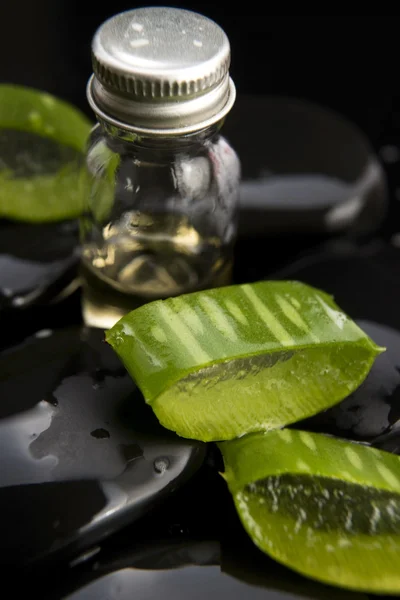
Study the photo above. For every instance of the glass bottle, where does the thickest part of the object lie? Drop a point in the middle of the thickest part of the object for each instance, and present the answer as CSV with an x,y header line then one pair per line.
x,y
161,213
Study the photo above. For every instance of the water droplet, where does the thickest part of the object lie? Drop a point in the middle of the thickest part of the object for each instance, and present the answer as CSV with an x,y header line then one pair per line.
x,y
98,376
161,464
43,333
51,399
18,301
197,43
48,101
177,529
35,117
100,433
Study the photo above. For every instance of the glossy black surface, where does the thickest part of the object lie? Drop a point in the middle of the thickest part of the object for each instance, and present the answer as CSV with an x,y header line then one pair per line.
x,y
81,453
198,580
192,545
305,169
37,263
73,429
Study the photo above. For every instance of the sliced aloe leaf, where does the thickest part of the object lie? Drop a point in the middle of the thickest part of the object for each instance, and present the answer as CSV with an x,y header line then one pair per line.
x,y
26,109
33,189
327,508
218,364
42,198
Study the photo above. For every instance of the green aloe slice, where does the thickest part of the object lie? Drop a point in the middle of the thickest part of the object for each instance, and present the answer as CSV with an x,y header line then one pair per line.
x,y
327,508
217,364
39,195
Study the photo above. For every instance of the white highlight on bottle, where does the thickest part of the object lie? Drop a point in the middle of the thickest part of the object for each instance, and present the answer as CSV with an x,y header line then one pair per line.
x,y
139,43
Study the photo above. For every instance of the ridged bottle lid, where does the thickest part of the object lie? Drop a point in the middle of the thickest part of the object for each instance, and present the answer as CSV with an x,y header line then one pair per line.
x,y
161,70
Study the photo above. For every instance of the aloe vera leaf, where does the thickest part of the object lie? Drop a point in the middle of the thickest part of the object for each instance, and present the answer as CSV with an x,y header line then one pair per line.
x,y
30,110
217,364
327,508
42,196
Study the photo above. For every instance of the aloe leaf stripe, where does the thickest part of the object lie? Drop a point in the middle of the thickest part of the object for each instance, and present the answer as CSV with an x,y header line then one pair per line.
x,y
266,315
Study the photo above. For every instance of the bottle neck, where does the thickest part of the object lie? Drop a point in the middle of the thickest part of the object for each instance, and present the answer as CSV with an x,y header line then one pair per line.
x,y
123,140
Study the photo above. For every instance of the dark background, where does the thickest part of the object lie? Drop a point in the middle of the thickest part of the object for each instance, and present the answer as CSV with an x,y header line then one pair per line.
x,y
349,63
